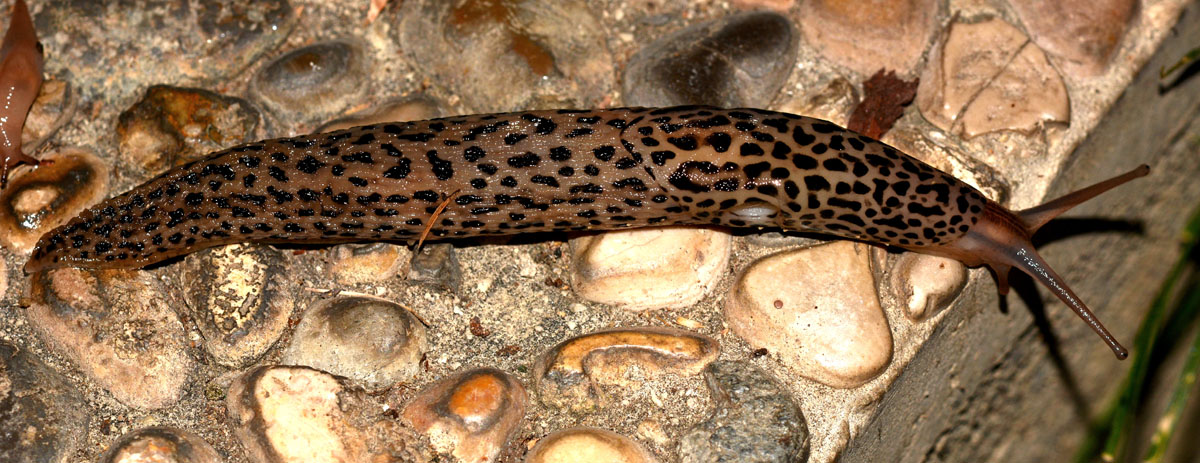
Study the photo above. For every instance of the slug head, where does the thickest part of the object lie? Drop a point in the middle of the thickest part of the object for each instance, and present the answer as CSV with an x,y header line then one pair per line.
x,y
1001,240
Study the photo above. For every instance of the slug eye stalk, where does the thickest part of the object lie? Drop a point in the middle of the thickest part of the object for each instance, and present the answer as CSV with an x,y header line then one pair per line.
x,y
1002,241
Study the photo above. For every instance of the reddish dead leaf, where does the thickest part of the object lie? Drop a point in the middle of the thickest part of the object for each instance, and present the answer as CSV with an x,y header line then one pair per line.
x,y
884,99
477,328
373,10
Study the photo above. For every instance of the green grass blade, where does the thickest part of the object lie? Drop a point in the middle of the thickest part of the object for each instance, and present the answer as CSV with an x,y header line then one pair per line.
x,y
1169,421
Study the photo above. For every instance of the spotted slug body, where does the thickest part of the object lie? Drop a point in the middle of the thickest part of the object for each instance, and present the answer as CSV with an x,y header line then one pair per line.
x,y
554,171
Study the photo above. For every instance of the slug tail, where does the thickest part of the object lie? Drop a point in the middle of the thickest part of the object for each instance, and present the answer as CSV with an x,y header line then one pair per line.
x,y
1035,217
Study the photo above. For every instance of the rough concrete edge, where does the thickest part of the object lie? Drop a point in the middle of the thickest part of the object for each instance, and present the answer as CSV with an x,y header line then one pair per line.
x,y
979,355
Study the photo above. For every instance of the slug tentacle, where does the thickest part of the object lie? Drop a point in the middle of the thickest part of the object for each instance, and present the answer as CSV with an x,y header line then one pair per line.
x,y
565,170
1036,216
1002,240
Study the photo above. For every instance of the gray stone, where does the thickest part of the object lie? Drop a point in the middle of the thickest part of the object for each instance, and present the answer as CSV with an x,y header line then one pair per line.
x,y
755,420
741,60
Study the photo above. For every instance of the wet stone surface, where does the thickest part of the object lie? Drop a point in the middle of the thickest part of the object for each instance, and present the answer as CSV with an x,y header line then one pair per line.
x,y
926,284
869,36
588,444
117,328
571,374
42,418
436,263
283,413
1083,34
240,298
374,342
830,292
528,48
470,415
352,264
160,444
738,61
170,126
756,420
987,77
651,268
39,200
313,83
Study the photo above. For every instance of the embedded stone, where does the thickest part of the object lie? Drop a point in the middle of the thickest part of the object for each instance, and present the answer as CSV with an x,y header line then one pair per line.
x,y
1026,96
436,263
1083,33
521,51
55,105
470,415
585,444
293,414
43,417
240,296
117,327
870,36
988,77
358,263
755,420
741,60
314,82
650,268
160,444
926,284
35,201
825,322
171,126
409,109
372,341
570,374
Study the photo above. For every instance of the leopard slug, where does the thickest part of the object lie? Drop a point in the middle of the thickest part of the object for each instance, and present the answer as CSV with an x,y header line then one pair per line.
x,y
564,170
20,80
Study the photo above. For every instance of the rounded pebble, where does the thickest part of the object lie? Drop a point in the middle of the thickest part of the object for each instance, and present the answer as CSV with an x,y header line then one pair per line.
x,y
171,126
869,36
358,263
570,374
293,414
160,444
117,328
653,268
408,109
373,341
436,263
741,60
926,284
240,296
988,77
755,421
592,445
825,322
1082,32
55,105
520,51
38,200
313,82
470,415
42,417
